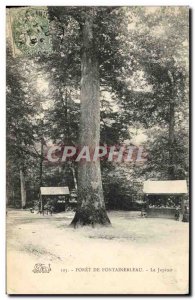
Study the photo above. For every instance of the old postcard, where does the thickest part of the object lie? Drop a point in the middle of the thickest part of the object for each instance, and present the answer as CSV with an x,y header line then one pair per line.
x,y
97,150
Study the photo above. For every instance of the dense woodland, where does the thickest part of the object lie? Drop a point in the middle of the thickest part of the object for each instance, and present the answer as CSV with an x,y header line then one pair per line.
x,y
108,76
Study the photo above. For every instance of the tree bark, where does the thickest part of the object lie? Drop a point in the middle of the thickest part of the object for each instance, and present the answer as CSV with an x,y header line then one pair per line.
x,y
41,164
23,189
91,207
171,140
74,178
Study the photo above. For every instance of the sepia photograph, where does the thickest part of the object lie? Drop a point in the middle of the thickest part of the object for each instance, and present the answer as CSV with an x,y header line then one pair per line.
x,y
97,150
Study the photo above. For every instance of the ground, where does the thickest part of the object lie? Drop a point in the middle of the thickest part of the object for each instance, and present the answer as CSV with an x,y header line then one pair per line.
x,y
140,247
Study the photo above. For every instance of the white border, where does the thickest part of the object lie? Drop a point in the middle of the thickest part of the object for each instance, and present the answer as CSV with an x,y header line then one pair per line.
x,y
99,2
3,3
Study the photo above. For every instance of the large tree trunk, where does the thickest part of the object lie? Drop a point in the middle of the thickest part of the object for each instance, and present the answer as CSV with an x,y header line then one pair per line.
x,y
23,189
91,207
74,178
171,140
8,189
171,171
41,164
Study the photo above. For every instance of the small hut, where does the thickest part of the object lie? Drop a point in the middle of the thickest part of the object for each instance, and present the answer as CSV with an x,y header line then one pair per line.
x,y
163,198
58,196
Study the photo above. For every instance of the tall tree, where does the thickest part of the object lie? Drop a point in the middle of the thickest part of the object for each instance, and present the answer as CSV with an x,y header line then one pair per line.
x,y
91,207
159,43
20,123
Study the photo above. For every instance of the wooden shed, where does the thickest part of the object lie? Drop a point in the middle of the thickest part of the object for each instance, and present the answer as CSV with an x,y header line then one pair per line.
x,y
60,192
155,191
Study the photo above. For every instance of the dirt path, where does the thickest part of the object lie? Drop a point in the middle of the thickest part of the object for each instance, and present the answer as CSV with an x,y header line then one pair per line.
x,y
141,246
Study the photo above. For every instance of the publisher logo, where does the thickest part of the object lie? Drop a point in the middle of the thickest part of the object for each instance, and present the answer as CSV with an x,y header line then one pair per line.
x,y
41,268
